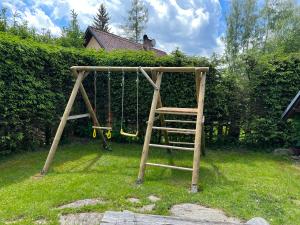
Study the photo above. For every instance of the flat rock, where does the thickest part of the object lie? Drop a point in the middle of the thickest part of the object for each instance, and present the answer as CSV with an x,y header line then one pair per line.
x,y
81,219
153,198
133,200
257,221
82,203
147,208
130,218
198,212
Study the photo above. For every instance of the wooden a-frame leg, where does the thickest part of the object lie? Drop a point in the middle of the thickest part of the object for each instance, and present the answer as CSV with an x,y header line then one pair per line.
x,y
149,130
62,123
93,115
91,111
198,80
197,150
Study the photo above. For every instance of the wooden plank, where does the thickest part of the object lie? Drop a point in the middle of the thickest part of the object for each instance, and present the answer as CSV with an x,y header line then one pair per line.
x,y
175,129
198,135
74,117
134,69
181,132
177,111
181,143
171,147
169,167
180,121
102,128
149,130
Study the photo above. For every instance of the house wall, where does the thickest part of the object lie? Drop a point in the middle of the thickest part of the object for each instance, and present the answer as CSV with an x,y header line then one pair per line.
x,y
93,44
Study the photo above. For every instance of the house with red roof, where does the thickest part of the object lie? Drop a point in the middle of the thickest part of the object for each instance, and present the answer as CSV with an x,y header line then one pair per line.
x,y
98,39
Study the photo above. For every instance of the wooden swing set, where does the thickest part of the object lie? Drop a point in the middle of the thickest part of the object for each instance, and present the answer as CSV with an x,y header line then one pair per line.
x,y
81,72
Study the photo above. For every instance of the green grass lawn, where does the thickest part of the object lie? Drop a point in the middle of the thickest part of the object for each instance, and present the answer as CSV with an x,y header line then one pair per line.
x,y
243,184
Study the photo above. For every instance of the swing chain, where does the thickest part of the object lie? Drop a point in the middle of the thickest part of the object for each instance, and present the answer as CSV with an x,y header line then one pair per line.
x,y
137,99
122,84
108,133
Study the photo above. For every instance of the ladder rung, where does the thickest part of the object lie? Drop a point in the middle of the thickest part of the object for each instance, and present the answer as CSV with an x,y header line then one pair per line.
x,y
180,132
177,111
102,128
181,143
74,117
180,121
170,167
171,147
192,131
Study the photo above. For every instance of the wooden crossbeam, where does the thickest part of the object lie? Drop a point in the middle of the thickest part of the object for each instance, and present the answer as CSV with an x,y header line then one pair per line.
x,y
177,111
134,69
171,147
181,143
169,167
180,121
191,131
79,116
102,128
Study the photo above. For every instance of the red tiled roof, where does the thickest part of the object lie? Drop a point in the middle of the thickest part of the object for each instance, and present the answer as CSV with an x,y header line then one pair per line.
x,y
110,41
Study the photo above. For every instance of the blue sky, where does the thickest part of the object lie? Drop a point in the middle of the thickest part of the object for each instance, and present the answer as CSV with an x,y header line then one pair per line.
x,y
195,26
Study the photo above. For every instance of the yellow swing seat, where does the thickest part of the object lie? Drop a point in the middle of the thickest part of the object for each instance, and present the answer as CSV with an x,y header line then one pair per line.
x,y
122,132
129,134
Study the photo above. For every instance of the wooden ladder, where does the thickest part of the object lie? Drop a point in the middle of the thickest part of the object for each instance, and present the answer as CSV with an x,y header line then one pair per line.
x,y
157,108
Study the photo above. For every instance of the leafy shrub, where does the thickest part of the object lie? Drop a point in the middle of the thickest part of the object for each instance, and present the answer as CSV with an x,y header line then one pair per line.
x,y
35,84
275,80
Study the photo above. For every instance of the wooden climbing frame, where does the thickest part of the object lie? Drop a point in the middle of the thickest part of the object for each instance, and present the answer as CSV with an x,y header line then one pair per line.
x,y
80,73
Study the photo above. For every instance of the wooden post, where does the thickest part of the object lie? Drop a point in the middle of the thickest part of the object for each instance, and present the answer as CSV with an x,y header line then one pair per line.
x,y
149,130
197,151
62,123
161,116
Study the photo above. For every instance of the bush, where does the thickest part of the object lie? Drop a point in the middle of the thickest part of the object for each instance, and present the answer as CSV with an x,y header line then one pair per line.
x,y
274,83
35,84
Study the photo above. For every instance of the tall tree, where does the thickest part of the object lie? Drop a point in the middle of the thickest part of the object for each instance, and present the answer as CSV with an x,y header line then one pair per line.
x,y
3,19
101,19
136,20
280,24
72,35
241,30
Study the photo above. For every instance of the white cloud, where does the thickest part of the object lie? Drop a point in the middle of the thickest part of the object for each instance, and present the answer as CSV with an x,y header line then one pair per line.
x,y
39,20
192,25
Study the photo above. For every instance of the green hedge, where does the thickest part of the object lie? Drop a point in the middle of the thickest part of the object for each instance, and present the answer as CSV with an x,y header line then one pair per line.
x,y
35,84
275,80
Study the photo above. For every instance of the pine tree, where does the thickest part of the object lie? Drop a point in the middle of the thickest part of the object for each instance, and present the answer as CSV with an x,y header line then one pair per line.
x,y
101,19
136,21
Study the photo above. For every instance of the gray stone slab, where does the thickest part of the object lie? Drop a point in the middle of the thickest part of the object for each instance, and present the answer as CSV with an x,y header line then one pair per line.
x,y
81,219
130,218
198,212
